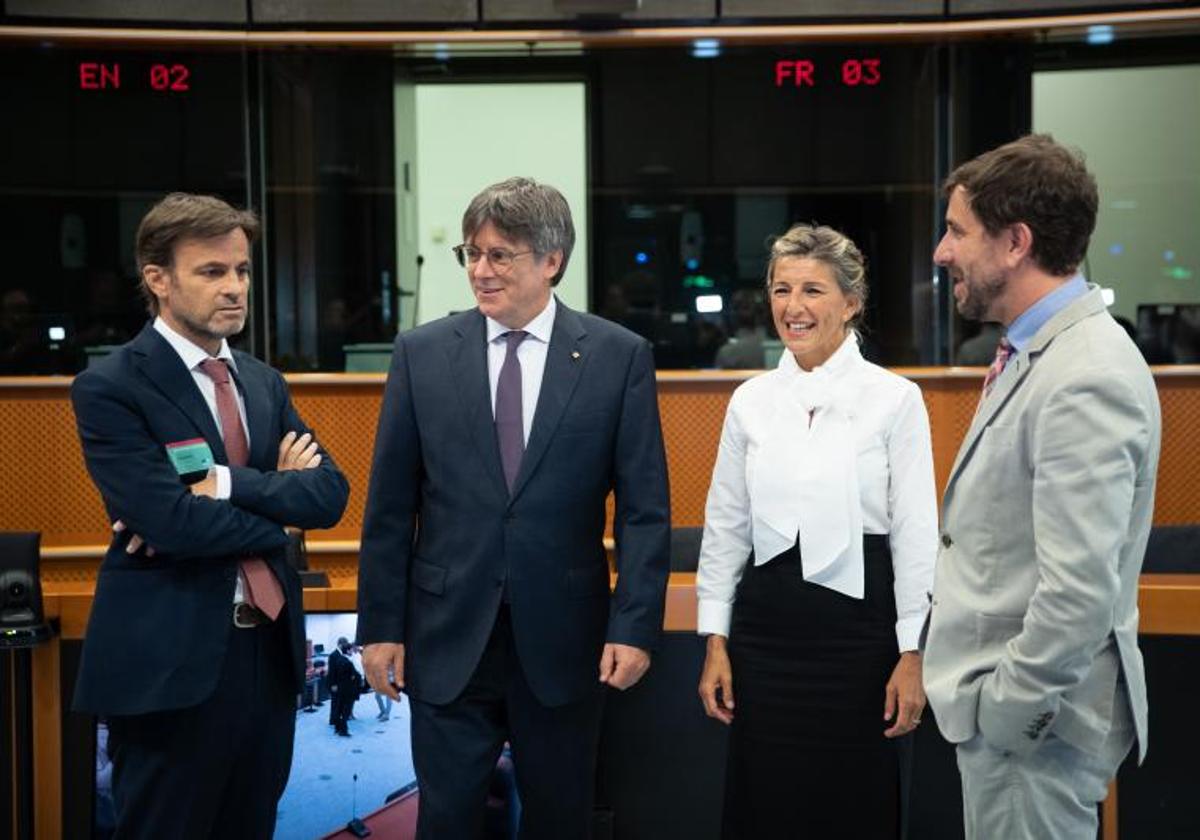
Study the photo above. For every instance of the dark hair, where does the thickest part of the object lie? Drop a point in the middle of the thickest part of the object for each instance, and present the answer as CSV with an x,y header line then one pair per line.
x,y
180,216
831,247
1041,183
525,211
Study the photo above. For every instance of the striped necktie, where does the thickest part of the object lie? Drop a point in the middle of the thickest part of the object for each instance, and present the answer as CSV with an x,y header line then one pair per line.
x,y
1004,351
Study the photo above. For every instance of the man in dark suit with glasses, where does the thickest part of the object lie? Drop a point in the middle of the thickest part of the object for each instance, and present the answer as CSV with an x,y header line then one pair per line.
x,y
484,587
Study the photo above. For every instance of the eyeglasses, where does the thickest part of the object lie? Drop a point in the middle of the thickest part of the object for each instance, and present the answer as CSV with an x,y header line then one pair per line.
x,y
500,259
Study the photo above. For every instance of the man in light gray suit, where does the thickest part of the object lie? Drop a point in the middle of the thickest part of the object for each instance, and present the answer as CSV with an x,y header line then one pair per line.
x,y
1031,659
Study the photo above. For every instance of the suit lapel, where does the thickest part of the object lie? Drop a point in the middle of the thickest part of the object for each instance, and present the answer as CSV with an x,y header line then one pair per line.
x,y
468,363
565,360
1006,384
161,365
1017,371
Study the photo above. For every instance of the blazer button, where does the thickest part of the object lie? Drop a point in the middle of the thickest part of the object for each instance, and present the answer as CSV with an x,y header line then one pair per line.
x,y
946,541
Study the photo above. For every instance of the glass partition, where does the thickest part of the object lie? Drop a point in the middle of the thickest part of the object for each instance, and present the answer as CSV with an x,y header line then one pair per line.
x,y
680,161
92,138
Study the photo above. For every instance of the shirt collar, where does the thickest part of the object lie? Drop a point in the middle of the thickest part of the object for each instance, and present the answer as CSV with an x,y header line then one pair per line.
x,y
1025,327
540,327
191,353
841,360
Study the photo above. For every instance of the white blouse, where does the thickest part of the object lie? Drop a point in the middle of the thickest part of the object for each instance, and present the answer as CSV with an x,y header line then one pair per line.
x,y
797,448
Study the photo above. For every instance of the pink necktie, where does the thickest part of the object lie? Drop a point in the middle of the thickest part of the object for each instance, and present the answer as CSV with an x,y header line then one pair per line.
x,y
1003,351
261,588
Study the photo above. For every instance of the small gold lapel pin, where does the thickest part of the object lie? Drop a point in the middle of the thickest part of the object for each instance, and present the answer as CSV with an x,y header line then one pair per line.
x,y
574,354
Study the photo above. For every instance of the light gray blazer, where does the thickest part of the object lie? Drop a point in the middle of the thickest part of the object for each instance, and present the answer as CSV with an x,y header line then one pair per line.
x,y
1044,526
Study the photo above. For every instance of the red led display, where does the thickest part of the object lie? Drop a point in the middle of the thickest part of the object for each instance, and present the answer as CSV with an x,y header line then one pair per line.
x,y
803,72
93,75
861,72
106,75
174,77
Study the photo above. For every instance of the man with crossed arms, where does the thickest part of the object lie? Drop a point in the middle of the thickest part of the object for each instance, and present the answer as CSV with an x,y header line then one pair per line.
x,y
195,645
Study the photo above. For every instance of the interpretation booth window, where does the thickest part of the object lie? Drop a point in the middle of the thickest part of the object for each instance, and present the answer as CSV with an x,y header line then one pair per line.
x,y
680,162
1145,251
92,138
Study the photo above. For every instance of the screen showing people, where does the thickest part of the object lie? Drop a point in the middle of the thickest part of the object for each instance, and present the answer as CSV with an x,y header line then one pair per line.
x,y
333,778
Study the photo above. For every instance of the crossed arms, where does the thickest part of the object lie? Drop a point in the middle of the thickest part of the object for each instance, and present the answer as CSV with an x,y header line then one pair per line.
x,y
145,497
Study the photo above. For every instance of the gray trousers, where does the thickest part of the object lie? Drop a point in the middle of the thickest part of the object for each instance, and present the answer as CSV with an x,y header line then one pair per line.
x,y
1051,793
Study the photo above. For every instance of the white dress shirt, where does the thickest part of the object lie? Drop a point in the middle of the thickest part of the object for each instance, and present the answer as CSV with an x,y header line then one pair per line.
x,y
784,470
531,353
192,355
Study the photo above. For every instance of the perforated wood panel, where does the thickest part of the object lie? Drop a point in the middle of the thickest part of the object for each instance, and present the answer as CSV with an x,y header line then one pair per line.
x,y
341,568
1177,495
692,415
72,574
46,487
344,418
951,404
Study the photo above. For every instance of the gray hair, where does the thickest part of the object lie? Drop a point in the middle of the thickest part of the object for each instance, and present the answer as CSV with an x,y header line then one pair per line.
x,y
525,211
834,249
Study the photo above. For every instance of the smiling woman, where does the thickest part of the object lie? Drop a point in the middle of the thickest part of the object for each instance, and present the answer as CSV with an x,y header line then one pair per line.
x,y
810,309
817,287
824,477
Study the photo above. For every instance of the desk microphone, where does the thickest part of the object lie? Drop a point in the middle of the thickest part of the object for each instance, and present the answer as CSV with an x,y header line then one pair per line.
x,y
356,826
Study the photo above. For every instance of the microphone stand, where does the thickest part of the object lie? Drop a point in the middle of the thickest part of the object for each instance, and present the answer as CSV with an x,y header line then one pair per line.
x,y
356,826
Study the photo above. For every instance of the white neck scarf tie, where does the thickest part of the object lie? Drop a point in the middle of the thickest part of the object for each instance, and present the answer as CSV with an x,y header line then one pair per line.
x,y
805,474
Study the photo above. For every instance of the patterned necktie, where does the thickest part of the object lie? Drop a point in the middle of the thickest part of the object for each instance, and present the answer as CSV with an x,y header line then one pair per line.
x,y
510,422
1004,350
262,590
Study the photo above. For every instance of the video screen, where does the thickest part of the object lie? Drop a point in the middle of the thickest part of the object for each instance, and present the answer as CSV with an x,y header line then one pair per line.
x,y
334,777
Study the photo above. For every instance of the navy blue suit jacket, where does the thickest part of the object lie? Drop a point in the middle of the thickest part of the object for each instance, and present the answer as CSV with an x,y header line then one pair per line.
x,y
442,534
159,625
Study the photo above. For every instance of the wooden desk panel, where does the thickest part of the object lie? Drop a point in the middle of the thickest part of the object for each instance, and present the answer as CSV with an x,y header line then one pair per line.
x,y
47,488
1169,604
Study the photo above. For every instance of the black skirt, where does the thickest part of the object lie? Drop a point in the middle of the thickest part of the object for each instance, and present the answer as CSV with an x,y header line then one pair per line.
x,y
807,756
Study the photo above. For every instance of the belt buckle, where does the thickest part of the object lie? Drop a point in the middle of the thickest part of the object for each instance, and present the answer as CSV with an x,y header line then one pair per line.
x,y
246,616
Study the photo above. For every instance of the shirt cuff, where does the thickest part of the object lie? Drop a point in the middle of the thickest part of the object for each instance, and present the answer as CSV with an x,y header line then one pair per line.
x,y
908,632
713,617
224,481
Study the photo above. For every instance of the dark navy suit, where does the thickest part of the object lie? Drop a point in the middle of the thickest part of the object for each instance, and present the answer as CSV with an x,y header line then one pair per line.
x,y
160,645
445,542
